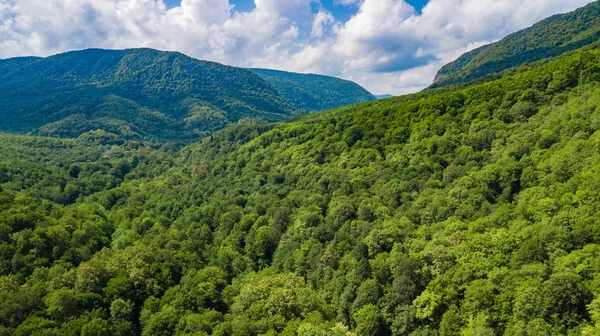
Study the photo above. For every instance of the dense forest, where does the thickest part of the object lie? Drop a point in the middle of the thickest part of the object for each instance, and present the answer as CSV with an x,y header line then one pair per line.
x,y
551,37
470,211
136,93
153,96
309,92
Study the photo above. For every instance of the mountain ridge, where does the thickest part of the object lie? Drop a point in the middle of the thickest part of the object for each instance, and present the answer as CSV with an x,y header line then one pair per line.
x,y
143,93
550,37
314,92
171,87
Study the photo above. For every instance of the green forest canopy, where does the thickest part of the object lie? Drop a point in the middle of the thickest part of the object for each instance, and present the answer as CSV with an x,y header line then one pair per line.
x,y
457,212
551,37
150,95
311,93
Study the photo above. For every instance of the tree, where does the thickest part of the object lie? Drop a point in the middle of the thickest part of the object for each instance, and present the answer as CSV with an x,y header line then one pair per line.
x,y
61,304
368,321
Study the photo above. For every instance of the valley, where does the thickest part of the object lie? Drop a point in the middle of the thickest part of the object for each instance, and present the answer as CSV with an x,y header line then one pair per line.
x,y
149,193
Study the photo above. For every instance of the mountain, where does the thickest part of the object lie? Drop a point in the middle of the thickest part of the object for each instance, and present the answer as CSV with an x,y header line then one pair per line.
x,y
465,211
310,93
137,93
472,210
384,96
551,37
146,94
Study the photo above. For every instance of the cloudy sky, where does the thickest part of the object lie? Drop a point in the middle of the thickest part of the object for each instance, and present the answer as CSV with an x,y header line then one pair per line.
x,y
388,46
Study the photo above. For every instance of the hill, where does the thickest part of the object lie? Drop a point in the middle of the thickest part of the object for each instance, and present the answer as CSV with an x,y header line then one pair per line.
x,y
146,94
551,37
137,94
310,93
470,211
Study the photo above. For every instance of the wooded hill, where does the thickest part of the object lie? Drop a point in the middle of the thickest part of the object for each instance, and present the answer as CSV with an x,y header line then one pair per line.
x,y
457,211
150,95
310,93
551,37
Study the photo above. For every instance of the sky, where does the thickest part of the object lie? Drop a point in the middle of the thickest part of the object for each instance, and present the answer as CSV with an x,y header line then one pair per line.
x,y
387,46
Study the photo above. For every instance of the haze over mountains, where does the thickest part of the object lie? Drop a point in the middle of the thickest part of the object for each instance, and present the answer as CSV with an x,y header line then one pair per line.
x,y
468,209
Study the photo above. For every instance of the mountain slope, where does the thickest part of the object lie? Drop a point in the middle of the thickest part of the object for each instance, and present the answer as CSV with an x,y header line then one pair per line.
x,y
133,93
310,93
471,211
551,37
445,213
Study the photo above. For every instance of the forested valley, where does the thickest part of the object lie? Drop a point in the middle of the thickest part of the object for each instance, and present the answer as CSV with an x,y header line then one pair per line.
x,y
468,211
465,210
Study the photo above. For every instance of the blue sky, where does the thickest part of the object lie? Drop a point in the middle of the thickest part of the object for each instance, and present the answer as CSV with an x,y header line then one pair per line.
x,y
387,46
341,12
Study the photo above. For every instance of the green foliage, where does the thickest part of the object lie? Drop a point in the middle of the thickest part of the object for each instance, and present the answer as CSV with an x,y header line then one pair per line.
x,y
368,321
471,211
310,93
551,37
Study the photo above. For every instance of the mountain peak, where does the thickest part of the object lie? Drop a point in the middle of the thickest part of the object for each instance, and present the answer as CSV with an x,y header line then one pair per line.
x,y
148,93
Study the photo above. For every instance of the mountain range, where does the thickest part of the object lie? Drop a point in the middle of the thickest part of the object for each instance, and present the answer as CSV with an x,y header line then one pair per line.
x,y
149,94
470,208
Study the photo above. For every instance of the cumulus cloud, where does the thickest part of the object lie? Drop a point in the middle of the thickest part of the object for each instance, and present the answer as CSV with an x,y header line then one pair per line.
x,y
322,21
403,51
386,45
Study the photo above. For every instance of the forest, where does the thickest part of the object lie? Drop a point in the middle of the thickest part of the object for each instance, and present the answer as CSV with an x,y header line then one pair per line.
x,y
457,211
313,93
554,36
154,96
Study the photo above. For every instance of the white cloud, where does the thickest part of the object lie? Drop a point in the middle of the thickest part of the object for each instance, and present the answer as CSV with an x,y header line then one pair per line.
x,y
323,21
386,46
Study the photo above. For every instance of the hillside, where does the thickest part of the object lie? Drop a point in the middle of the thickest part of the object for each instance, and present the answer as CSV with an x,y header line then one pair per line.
x,y
464,212
137,94
551,37
310,93
145,94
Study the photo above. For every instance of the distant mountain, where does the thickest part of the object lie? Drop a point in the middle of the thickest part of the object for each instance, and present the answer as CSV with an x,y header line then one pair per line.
x,y
551,37
384,96
310,93
136,93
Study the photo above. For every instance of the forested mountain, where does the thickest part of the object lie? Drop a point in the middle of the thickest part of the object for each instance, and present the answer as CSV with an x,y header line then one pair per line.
x,y
551,37
468,211
310,93
145,94
137,94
